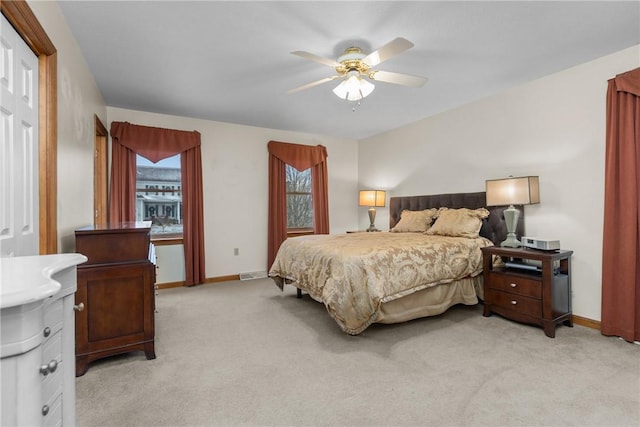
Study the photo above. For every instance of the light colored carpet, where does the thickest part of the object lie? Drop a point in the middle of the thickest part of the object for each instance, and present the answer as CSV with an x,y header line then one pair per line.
x,y
244,353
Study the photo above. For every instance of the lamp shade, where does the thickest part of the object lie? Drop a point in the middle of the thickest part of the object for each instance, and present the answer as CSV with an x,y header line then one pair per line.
x,y
523,190
354,87
375,198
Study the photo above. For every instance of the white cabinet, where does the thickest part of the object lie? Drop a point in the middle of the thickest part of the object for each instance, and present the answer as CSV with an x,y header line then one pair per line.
x,y
38,339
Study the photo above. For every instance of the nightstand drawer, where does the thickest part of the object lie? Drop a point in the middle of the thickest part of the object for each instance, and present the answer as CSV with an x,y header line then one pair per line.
x,y
517,285
514,302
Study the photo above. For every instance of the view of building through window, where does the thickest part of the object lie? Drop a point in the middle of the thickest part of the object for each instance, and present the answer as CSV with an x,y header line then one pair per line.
x,y
159,195
299,199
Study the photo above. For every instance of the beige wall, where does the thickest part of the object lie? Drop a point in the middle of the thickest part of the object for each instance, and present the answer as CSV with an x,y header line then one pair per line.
x,y
235,179
553,127
78,101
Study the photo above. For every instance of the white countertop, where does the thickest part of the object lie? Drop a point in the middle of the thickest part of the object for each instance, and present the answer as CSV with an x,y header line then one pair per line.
x,y
28,279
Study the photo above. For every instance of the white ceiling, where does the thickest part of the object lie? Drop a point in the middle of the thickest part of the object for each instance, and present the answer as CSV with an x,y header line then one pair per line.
x,y
231,62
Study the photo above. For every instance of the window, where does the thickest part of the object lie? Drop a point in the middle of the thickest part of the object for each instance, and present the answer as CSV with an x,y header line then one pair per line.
x,y
283,156
299,200
159,195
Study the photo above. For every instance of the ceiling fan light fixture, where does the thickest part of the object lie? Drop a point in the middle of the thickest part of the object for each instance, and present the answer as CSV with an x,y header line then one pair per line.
x,y
354,87
353,67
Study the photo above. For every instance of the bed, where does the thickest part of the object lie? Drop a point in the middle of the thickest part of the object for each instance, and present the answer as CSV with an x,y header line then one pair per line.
x,y
392,277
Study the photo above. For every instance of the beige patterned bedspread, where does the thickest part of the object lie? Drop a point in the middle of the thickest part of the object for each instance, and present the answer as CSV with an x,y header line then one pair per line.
x,y
352,274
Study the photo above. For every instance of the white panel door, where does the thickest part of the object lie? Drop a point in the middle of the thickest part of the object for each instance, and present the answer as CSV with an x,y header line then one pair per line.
x,y
19,219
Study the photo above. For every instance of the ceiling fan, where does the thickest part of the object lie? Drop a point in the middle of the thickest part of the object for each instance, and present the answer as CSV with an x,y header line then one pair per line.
x,y
354,67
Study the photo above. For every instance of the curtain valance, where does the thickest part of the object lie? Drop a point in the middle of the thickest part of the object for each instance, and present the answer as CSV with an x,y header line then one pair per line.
x,y
629,82
154,143
301,157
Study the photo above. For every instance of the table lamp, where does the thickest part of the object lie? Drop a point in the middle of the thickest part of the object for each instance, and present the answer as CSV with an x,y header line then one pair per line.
x,y
511,191
374,199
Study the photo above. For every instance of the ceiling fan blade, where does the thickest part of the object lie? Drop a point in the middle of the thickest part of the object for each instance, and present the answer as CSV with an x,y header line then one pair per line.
x,y
389,50
312,84
316,58
397,78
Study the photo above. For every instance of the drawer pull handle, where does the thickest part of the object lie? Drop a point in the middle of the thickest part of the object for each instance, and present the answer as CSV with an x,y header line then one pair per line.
x,y
45,409
47,331
49,368
513,285
79,307
514,302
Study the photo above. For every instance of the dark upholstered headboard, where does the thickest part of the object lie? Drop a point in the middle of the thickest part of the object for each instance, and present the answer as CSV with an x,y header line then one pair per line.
x,y
493,227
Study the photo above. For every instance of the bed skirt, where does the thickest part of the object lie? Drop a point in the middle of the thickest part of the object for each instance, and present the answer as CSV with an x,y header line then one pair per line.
x,y
424,303
431,301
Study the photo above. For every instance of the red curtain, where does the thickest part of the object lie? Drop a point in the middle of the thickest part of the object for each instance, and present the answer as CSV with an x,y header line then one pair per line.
x,y
193,216
122,196
156,144
319,179
621,240
301,157
277,218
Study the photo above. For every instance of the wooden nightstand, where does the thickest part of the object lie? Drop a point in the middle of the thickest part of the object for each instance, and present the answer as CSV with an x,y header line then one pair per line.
x,y
537,297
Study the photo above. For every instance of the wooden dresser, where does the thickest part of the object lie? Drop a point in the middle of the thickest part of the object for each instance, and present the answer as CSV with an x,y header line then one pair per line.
x,y
116,286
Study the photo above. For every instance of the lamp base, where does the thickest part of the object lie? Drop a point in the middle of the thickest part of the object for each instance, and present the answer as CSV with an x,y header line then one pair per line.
x,y
511,216
511,242
372,219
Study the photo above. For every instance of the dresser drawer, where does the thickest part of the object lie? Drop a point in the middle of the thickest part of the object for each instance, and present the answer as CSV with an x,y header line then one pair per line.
x,y
53,316
52,413
52,381
52,348
517,285
52,386
515,302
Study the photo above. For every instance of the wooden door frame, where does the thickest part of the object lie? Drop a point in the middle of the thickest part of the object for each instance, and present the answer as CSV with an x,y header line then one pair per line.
x,y
100,165
20,15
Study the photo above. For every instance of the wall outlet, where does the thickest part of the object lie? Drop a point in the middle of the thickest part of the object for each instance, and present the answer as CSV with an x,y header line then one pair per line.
x,y
236,251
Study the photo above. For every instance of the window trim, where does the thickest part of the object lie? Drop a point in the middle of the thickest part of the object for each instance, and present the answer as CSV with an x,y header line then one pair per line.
x,y
167,240
294,232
